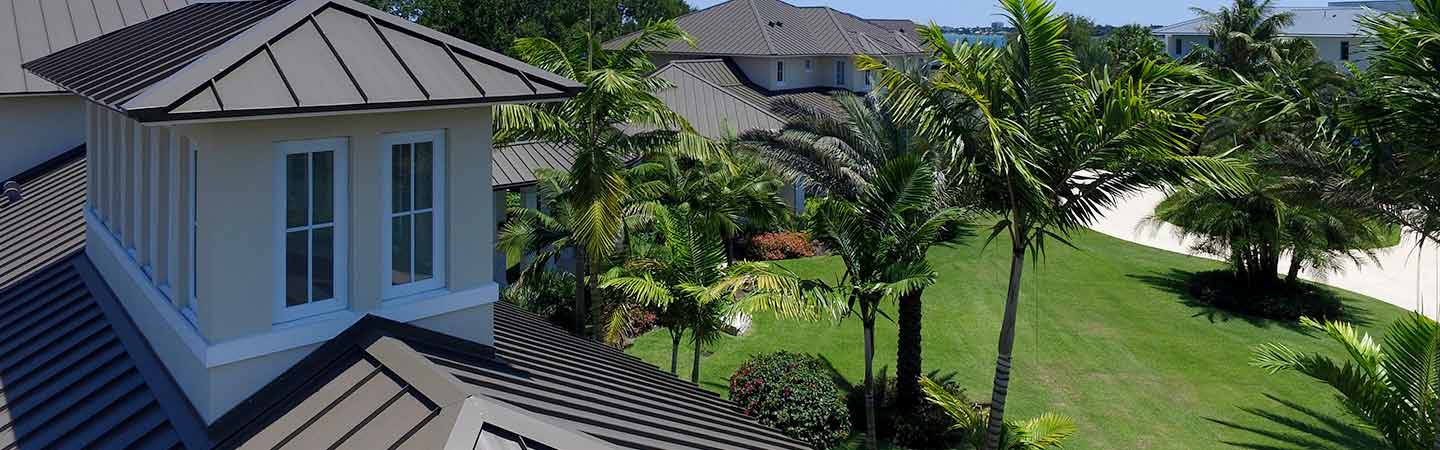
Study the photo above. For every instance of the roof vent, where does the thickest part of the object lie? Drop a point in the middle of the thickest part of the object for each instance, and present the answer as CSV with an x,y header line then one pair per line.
x,y
776,23
12,191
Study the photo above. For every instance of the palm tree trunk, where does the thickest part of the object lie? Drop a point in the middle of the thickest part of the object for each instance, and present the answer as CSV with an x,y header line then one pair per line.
x,y
582,272
1294,272
596,314
1007,345
870,431
674,351
695,368
908,364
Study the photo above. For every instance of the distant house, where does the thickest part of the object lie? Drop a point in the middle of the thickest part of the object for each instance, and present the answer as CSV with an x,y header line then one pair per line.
x,y
271,238
1334,29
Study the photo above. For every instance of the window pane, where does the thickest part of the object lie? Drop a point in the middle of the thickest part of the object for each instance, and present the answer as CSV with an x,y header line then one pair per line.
x,y
399,250
400,178
323,264
424,175
323,166
296,269
297,196
424,246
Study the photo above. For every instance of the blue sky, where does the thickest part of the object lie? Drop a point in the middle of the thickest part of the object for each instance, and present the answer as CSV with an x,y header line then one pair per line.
x,y
982,12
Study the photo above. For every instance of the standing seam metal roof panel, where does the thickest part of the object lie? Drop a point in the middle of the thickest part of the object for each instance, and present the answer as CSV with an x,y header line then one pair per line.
x,y
31,29
216,60
776,28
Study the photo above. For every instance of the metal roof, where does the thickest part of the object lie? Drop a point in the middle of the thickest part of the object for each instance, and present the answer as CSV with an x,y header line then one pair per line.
x,y
30,29
904,26
266,57
515,165
745,106
74,371
538,384
1322,21
773,27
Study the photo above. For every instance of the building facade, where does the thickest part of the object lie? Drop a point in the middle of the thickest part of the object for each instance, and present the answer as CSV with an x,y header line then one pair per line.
x,y
1333,29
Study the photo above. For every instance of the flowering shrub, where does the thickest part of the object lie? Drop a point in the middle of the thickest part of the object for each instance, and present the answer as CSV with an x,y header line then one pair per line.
x,y
795,394
781,245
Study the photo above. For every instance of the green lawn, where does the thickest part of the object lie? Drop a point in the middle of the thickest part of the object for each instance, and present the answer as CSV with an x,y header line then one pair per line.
x,y
1105,336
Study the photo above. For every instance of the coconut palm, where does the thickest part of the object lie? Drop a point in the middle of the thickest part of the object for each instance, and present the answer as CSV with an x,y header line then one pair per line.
x,y
600,123
1245,34
874,236
1048,147
729,196
1392,384
1046,431
840,156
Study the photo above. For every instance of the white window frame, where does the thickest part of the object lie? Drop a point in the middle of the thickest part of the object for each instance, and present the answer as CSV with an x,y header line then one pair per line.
x,y
340,146
840,76
780,72
808,67
389,291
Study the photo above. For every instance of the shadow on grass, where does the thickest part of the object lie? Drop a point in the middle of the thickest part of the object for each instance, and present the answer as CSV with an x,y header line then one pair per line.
x,y
1175,281
1297,433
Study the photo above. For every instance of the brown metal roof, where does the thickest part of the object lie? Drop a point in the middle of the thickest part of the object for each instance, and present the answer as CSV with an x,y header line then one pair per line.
x,y
554,389
30,29
515,165
74,371
773,27
266,57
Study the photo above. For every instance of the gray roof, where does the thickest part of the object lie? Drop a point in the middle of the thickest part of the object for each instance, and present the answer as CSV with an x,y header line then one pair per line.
x,y
773,27
74,371
30,29
266,57
1322,21
515,165
539,384
904,26
744,105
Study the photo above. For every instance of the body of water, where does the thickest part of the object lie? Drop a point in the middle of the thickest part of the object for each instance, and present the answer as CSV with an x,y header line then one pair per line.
x,y
997,40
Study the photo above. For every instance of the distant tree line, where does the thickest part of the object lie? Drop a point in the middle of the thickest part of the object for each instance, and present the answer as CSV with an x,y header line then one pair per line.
x,y
496,24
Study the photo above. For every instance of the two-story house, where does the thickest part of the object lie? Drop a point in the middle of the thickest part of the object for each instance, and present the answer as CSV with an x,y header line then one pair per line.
x,y
271,239
1334,29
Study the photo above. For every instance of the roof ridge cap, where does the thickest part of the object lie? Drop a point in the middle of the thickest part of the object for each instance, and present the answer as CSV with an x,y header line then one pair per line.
x,y
843,32
763,31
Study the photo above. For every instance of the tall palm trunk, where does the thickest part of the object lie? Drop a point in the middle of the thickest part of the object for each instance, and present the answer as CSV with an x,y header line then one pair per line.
x,y
695,367
674,351
1007,345
597,314
582,287
1294,273
870,431
909,360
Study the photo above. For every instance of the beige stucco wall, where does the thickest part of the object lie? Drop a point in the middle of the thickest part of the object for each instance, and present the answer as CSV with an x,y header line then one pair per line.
x,y
34,129
237,244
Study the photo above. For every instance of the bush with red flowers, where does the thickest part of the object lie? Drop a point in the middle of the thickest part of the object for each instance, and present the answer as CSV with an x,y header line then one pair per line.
x,y
794,393
781,245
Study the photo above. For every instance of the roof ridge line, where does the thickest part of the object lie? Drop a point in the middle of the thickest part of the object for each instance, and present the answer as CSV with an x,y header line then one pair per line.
x,y
726,91
763,31
830,12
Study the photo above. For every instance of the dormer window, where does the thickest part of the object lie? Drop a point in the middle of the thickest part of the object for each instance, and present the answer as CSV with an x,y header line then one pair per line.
x,y
313,174
780,73
414,228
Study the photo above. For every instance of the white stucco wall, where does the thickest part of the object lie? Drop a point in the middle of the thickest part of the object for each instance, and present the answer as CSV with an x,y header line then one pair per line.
x,y
762,71
35,128
1327,48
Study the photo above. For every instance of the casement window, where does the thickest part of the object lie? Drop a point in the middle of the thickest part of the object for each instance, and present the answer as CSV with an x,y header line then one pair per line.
x,y
1210,43
808,68
840,73
413,228
780,72
312,236
1344,50
869,78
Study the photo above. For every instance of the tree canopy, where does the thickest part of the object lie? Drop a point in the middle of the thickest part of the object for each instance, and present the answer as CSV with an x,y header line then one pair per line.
x,y
496,24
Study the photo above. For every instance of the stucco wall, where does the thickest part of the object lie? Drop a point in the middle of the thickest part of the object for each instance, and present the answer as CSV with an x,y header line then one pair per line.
x,y
761,71
34,129
1327,48
237,242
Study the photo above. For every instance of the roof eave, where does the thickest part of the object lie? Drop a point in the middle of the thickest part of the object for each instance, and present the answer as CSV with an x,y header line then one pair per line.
x,y
159,116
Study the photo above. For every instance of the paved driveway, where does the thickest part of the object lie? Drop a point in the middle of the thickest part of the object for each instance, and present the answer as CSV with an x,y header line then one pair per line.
x,y
1406,277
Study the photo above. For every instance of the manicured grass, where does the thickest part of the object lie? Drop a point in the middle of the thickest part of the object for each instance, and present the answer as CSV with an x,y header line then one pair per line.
x,y
1105,336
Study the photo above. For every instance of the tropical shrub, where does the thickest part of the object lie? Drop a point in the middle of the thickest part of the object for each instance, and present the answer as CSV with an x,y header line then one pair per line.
x,y
1274,300
795,393
547,293
781,245
968,420
926,427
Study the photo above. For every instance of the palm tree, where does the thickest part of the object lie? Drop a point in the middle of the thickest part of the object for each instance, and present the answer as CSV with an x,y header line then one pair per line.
x,y
1049,147
1392,385
1245,34
620,95
841,155
873,236
729,196
1046,431
678,280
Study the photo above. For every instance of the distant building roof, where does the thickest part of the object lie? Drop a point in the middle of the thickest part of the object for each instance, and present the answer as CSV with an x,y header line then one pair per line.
x,y
1340,19
773,27
74,371
401,386
516,165
30,29
711,114
266,57
904,26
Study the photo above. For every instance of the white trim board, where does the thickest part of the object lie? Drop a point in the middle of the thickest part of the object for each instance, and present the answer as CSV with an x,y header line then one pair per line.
x,y
282,337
